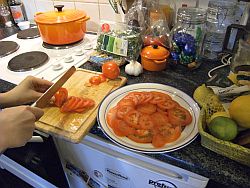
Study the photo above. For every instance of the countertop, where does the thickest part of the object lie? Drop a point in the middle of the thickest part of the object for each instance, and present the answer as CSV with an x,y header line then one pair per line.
x,y
194,157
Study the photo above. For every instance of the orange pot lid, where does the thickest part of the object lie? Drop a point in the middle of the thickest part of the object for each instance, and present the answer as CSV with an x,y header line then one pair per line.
x,y
59,16
155,52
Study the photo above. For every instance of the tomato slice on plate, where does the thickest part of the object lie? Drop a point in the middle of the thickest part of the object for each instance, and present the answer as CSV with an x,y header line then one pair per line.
x,y
146,108
111,116
123,110
141,136
126,102
159,97
121,128
159,119
166,134
168,104
179,116
145,122
132,118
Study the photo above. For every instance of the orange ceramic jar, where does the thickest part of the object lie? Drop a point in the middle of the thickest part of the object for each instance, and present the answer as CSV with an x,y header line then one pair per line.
x,y
154,58
62,26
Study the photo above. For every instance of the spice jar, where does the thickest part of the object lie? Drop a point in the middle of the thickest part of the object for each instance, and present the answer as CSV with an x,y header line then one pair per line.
x,y
187,35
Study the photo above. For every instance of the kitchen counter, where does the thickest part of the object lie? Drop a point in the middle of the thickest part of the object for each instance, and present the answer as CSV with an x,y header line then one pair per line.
x,y
194,157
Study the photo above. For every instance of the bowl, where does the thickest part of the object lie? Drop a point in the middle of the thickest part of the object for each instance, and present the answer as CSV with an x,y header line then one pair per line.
x,y
24,25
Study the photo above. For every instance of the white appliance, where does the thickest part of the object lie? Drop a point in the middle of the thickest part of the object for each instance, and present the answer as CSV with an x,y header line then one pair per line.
x,y
97,163
59,59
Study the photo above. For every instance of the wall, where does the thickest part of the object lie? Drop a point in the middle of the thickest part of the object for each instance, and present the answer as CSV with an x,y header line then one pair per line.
x,y
103,11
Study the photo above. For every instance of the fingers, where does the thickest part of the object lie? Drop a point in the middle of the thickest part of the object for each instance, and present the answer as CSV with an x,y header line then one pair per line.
x,y
36,111
41,85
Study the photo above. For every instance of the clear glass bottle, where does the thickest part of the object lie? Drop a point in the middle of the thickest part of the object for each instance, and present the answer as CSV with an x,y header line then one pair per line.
x,y
220,14
17,10
187,36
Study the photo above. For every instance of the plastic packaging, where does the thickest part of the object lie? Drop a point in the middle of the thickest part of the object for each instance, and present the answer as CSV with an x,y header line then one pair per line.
x,y
138,14
119,40
158,32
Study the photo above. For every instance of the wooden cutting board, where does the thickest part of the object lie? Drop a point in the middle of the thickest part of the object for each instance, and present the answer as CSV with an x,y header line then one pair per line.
x,y
74,126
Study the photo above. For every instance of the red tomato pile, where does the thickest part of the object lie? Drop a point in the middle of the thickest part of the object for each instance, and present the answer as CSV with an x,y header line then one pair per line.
x,y
71,103
148,117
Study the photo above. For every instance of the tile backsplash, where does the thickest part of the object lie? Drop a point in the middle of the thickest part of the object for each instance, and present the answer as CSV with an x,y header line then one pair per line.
x,y
96,9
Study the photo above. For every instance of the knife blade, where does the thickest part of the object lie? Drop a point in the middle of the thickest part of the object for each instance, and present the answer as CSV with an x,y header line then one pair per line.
x,y
45,98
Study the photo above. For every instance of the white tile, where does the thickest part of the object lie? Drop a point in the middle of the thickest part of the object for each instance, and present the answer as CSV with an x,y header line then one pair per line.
x,y
30,8
92,11
44,5
107,13
67,5
89,1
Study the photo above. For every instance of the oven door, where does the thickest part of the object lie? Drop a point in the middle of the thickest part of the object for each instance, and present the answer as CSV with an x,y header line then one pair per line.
x,y
36,163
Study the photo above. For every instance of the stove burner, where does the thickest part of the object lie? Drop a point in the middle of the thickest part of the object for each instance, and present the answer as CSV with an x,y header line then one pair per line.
x,y
64,46
8,47
28,33
27,61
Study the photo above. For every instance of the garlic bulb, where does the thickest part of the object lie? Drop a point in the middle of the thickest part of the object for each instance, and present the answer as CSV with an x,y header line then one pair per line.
x,y
133,68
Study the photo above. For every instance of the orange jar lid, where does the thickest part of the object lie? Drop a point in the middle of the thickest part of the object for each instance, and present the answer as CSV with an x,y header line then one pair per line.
x,y
59,16
155,52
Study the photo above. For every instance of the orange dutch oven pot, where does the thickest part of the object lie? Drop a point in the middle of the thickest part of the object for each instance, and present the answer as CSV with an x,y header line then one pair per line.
x,y
62,26
154,58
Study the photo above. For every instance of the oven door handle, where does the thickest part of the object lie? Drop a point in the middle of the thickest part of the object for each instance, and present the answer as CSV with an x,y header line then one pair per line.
x,y
36,139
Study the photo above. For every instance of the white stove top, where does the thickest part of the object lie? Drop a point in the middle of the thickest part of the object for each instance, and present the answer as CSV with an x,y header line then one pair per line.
x,y
59,59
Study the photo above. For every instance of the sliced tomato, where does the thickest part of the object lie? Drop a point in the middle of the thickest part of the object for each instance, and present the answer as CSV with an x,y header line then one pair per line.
x,y
68,106
121,128
123,110
141,136
146,108
164,112
111,116
170,133
80,110
133,98
158,140
168,104
95,80
159,97
60,96
126,102
166,134
179,116
88,103
145,122
132,118
159,119
103,78
148,96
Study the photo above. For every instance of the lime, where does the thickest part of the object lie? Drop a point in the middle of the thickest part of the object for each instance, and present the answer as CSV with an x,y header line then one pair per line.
x,y
217,114
223,128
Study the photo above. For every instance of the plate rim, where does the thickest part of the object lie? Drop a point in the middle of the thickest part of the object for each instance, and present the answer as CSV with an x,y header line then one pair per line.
x,y
142,150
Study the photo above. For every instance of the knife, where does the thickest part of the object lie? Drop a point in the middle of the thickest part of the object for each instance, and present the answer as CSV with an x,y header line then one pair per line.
x,y
45,98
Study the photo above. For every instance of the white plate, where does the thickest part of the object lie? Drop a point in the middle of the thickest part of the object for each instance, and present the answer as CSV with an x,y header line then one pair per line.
x,y
187,136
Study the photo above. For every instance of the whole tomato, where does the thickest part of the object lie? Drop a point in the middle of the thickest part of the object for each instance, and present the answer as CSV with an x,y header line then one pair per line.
x,y
110,70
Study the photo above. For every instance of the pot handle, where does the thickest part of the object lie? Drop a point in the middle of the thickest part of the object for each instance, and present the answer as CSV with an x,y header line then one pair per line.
x,y
86,18
160,61
38,13
59,7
